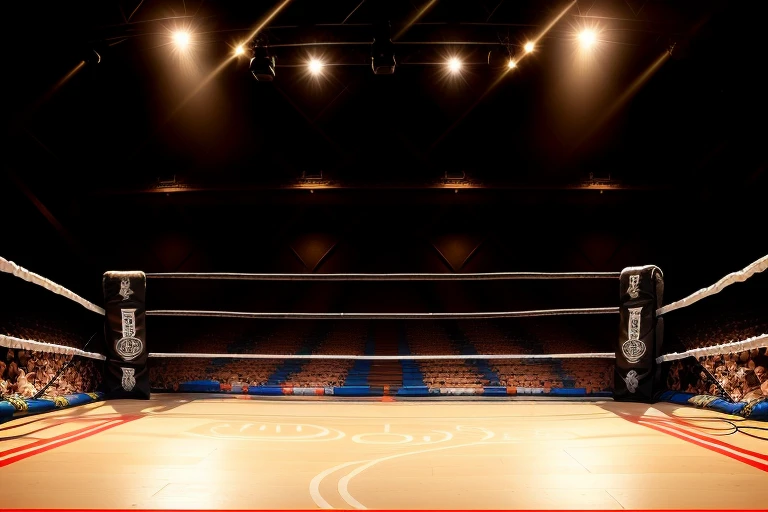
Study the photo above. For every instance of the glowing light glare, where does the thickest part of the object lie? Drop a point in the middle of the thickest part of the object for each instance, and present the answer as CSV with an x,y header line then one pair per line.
x,y
528,47
454,65
240,50
181,38
511,64
315,66
587,38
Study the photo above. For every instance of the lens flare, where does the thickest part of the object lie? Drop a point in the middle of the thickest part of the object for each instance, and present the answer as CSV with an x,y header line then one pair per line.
x,y
587,38
315,66
182,39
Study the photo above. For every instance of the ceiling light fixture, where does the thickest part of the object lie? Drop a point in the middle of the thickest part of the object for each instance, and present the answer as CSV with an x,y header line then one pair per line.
x,y
182,39
587,38
315,66
382,51
262,64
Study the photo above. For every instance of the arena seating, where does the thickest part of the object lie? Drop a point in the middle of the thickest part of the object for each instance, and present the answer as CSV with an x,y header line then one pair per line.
x,y
736,326
425,338
343,338
50,329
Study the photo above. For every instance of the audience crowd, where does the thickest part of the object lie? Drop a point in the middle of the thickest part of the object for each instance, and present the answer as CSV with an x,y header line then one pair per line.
x,y
721,329
25,373
738,375
55,330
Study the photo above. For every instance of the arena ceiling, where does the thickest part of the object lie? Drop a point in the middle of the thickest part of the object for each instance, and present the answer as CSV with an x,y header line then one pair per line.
x,y
668,95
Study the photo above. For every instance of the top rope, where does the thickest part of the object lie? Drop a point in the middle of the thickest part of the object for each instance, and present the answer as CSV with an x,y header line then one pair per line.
x,y
734,277
492,276
12,268
714,350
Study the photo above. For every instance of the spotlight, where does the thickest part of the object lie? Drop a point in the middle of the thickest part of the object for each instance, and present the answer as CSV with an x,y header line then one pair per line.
x,y
454,65
528,47
90,56
587,38
182,39
262,64
240,50
511,64
315,66
382,51
383,58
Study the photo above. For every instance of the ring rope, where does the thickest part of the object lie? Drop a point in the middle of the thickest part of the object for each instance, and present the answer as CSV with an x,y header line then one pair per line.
x,y
41,346
734,277
726,348
388,277
596,355
382,316
12,268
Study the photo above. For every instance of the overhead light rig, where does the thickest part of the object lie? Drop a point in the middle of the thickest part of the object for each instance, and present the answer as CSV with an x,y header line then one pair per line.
x,y
455,46
262,65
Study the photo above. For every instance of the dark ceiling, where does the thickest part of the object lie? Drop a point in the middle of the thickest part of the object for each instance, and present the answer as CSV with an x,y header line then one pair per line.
x,y
631,109
671,105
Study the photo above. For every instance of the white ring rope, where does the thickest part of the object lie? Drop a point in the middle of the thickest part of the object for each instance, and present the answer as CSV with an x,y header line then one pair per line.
x,y
597,355
381,316
40,346
12,268
726,348
492,276
733,277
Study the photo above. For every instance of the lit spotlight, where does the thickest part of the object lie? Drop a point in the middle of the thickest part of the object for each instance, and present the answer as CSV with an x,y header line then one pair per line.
x,y
315,66
240,50
511,64
587,38
454,65
528,47
181,38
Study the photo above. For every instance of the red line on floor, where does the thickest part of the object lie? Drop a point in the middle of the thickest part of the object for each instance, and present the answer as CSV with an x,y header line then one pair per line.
x,y
675,421
379,510
50,439
705,442
44,445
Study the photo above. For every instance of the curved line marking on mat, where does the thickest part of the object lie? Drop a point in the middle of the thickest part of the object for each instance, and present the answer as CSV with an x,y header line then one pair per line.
x,y
488,433
314,484
323,431
447,437
344,481
358,438
339,435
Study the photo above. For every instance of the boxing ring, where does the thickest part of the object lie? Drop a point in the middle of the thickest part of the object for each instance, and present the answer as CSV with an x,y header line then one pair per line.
x,y
638,358
128,448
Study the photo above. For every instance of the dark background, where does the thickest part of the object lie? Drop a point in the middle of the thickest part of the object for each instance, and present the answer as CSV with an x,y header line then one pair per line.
x,y
685,149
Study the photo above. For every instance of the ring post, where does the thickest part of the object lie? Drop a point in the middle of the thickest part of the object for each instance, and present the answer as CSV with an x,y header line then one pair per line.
x,y
126,375
636,378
